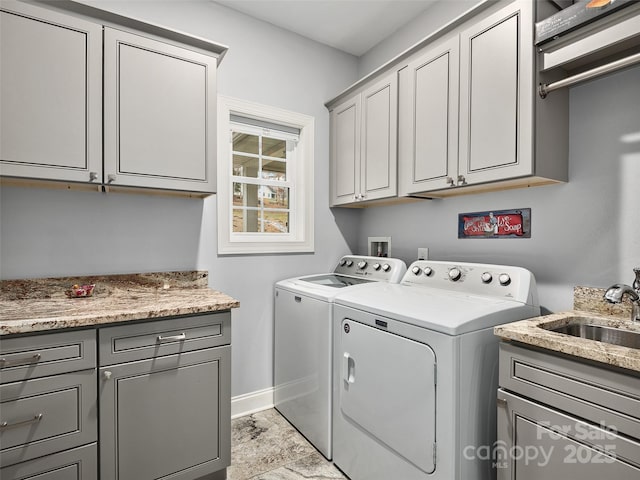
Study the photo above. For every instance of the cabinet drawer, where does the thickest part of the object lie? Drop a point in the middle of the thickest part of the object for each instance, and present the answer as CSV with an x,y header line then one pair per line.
x,y
594,393
127,343
32,356
75,464
47,415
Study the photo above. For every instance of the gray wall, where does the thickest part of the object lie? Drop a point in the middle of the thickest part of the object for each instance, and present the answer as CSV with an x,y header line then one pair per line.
x,y
585,232
53,233
432,19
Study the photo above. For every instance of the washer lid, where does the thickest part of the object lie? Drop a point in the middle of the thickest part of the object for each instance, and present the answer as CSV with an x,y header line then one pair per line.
x,y
323,286
452,313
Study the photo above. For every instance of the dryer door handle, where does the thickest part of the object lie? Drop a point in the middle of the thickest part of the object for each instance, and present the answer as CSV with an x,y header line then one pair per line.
x,y
348,368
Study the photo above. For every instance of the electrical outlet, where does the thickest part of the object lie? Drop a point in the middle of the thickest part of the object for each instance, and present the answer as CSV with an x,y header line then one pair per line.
x,y
423,253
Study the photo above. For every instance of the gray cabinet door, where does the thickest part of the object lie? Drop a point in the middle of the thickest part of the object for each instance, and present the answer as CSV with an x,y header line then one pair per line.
x,y
536,442
378,155
428,133
345,151
166,416
159,113
496,96
51,95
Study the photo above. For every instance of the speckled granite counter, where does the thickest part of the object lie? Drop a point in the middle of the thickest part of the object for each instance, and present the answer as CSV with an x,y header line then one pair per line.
x,y
40,304
589,308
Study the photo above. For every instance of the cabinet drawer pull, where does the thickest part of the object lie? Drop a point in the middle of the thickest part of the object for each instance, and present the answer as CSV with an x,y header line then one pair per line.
x,y
173,338
36,418
20,361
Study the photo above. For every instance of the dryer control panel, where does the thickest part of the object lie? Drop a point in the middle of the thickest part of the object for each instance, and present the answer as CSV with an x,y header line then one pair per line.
x,y
503,281
374,268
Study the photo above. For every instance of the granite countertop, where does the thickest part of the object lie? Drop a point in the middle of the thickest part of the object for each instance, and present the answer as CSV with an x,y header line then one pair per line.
x,y
34,305
589,307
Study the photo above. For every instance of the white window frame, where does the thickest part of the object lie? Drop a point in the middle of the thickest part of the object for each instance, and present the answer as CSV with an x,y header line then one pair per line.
x,y
300,237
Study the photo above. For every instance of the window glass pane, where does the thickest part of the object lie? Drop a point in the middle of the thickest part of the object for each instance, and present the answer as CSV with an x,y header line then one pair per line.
x,y
245,195
246,220
274,197
276,222
273,147
274,170
245,166
244,142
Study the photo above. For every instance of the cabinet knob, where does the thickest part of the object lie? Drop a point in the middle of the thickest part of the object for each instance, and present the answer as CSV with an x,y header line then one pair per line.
x,y
93,176
107,375
111,178
462,180
450,182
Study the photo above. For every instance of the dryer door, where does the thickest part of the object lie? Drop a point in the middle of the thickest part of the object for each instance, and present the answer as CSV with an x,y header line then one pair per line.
x,y
387,387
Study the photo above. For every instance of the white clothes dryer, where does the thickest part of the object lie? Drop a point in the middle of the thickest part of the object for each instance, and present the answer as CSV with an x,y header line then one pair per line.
x,y
302,340
416,369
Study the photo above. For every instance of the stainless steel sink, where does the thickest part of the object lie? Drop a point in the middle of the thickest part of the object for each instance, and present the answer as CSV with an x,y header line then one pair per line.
x,y
601,333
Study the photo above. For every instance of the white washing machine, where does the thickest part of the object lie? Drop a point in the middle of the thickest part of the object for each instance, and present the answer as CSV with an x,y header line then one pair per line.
x,y
303,336
416,370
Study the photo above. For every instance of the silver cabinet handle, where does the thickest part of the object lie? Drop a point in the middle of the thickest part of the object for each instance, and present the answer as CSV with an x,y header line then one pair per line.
x,y
450,182
462,180
111,178
501,402
173,338
36,418
20,361
93,176
107,375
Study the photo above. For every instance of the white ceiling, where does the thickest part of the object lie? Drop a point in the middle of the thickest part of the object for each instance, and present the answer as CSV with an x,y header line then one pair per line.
x,y
353,26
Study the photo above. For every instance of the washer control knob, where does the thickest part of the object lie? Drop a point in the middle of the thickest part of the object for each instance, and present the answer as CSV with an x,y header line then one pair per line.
x,y
386,267
486,277
504,279
362,265
428,271
416,270
376,266
349,263
343,262
455,274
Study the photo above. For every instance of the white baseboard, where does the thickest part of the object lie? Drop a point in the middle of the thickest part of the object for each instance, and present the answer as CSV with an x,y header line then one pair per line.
x,y
252,402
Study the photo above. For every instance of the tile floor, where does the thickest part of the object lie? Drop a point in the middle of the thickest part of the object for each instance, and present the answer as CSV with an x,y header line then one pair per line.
x,y
264,446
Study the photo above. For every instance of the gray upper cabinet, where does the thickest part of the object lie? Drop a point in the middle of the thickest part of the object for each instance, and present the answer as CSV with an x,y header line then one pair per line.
x,y
364,144
470,115
73,76
428,122
159,111
51,95
496,96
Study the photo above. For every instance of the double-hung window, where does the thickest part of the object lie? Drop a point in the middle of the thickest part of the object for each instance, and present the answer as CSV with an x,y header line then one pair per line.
x,y
265,183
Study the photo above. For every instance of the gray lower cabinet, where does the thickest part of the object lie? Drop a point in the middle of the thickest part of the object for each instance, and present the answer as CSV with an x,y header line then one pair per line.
x,y
561,418
165,398
165,417
152,401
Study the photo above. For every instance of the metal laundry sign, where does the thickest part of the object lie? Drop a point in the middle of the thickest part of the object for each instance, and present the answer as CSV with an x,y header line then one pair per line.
x,y
495,224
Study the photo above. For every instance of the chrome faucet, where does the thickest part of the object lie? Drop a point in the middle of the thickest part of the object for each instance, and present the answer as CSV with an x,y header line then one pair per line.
x,y
615,294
